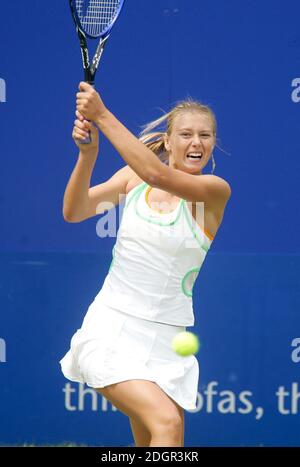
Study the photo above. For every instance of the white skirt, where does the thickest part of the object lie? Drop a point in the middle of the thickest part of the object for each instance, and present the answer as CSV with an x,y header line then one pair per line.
x,y
112,346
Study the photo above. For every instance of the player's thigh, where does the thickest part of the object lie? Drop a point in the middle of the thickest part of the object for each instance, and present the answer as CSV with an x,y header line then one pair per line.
x,y
145,401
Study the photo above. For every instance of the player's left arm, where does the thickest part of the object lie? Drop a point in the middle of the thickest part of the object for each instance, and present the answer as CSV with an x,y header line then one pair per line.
x,y
140,158
206,188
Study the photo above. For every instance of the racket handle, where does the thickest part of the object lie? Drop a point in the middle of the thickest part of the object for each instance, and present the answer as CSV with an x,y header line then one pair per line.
x,y
88,140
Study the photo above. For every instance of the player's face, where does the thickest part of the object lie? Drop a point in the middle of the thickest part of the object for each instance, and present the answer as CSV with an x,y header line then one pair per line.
x,y
192,135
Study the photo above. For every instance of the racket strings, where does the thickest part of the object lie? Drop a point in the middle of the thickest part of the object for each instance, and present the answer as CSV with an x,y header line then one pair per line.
x,y
96,15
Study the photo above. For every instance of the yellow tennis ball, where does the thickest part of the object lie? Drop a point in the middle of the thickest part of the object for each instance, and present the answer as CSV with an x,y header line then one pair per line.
x,y
185,343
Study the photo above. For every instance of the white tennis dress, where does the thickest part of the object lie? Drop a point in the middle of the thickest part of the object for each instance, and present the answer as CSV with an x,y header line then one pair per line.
x,y
145,300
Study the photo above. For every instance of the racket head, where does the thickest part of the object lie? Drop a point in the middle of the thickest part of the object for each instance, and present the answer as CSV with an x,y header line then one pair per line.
x,y
96,17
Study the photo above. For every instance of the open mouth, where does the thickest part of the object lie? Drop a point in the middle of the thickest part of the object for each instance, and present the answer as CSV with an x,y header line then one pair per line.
x,y
194,156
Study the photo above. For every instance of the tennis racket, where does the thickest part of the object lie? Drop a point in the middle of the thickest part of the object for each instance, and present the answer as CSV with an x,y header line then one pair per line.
x,y
94,19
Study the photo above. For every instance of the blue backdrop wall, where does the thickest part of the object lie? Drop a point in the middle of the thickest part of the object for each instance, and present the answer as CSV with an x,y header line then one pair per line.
x,y
243,59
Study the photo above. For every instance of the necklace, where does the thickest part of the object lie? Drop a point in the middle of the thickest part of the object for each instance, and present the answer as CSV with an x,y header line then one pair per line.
x,y
147,200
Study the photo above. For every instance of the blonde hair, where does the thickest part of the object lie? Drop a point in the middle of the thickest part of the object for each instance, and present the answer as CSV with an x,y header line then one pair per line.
x,y
154,140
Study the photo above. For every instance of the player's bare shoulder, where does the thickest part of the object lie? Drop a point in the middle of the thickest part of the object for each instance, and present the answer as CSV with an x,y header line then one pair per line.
x,y
220,185
214,210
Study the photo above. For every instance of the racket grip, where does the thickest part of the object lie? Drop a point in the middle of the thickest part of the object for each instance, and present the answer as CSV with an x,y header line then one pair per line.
x,y
87,140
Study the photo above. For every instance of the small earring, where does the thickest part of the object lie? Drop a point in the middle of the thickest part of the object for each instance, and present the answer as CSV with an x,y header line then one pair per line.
x,y
213,164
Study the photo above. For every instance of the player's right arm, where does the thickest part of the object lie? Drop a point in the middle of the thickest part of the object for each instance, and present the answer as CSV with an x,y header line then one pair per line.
x,y
80,200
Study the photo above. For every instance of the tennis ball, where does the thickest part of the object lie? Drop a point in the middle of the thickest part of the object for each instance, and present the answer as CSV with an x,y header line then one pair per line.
x,y
185,343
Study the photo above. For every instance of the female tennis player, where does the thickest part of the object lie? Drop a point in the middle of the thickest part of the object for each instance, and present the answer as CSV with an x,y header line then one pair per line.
x,y
123,348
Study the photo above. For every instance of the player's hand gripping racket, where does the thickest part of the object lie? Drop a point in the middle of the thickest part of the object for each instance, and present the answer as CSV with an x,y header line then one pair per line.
x,y
94,19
